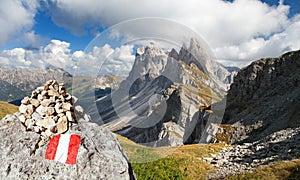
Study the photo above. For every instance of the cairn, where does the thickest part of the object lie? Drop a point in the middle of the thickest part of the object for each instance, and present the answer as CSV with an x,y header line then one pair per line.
x,y
49,111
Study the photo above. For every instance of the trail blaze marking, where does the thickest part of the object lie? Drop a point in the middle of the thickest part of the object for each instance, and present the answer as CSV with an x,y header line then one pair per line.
x,y
63,148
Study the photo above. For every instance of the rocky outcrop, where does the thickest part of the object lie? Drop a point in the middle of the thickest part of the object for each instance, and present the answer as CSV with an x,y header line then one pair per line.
x,y
267,90
281,145
51,111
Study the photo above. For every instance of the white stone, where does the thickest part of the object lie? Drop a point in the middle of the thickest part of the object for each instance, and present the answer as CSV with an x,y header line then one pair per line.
x,y
48,133
50,111
23,108
69,116
58,108
52,93
47,122
25,101
35,102
46,102
41,110
29,124
36,129
22,118
62,125
66,107
40,97
79,109
68,97
40,89
36,116
87,117
74,100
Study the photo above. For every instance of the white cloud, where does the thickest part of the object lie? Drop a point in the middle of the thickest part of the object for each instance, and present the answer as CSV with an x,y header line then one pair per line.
x,y
243,27
33,39
17,16
256,48
105,60
57,53
238,32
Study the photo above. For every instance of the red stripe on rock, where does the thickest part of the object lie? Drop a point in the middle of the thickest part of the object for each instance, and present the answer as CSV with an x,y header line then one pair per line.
x,y
52,147
73,149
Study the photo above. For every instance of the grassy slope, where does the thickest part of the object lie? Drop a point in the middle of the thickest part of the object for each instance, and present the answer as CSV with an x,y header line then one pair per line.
x,y
170,162
185,163
279,170
6,108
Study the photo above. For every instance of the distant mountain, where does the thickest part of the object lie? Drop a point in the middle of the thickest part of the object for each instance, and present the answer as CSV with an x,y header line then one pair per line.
x,y
266,92
232,69
166,98
225,74
16,83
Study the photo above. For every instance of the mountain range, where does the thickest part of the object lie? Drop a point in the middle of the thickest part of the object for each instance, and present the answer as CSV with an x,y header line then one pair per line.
x,y
173,98
16,83
166,98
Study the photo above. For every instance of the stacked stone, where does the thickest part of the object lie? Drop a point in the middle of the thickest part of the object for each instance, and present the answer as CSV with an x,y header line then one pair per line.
x,y
49,110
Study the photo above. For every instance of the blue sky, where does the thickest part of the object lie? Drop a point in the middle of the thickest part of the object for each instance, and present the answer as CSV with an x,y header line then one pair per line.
x,y
238,31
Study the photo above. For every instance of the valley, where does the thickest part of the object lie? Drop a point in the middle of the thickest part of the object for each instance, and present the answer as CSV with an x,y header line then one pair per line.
x,y
170,121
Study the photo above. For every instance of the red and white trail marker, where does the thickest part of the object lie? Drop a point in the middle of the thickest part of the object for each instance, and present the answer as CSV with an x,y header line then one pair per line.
x,y
63,148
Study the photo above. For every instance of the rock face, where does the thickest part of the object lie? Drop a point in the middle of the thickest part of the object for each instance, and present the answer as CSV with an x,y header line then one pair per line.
x,y
50,111
158,103
267,90
281,145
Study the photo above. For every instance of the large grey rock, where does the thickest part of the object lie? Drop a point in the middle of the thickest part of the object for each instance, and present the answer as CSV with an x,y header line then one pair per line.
x,y
267,90
100,155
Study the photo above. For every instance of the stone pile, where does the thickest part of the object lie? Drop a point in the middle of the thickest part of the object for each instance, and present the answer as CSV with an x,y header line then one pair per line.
x,y
281,145
49,111
100,155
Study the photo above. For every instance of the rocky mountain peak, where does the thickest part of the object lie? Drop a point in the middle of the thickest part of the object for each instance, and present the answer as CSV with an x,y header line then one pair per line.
x,y
163,91
149,60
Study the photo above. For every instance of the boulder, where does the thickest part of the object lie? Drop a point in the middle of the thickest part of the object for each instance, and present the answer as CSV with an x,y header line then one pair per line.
x,y
100,155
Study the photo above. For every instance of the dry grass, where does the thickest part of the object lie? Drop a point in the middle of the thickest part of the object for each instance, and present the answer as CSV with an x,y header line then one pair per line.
x,y
277,171
184,162
224,137
6,108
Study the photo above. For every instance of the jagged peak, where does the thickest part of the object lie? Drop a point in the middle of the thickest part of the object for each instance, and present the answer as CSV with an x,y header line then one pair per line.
x,y
140,50
194,43
174,54
151,49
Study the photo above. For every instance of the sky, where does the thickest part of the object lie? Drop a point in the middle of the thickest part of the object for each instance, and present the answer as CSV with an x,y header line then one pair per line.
x,y
35,33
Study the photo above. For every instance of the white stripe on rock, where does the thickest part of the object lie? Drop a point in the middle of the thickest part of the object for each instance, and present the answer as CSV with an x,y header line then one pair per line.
x,y
62,148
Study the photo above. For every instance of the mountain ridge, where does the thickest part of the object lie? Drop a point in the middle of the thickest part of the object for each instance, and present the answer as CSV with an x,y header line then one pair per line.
x,y
158,104
267,90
